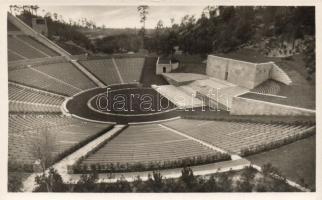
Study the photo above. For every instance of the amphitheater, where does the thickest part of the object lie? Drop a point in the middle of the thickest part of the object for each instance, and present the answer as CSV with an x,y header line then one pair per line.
x,y
54,92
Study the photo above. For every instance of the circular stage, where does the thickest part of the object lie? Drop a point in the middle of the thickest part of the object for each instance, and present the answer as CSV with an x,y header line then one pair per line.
x,y
126,103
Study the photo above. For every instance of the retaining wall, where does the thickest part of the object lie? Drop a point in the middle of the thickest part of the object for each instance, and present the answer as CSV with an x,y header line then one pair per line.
x,y
245,74
279,75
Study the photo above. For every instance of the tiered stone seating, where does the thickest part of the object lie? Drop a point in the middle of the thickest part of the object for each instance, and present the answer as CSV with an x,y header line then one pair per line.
x,y
38,45
12,27
268,87
103,69
234,136
25,94
13,56
25,107
68,73
147,143
19,47
32,78
63,133
130,68
26,122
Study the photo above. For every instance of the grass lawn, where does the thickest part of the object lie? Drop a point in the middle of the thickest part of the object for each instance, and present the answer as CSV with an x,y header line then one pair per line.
x,y
295,161
191,64
296,96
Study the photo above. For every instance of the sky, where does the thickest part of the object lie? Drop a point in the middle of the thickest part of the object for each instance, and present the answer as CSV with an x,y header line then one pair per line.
x,y
123,16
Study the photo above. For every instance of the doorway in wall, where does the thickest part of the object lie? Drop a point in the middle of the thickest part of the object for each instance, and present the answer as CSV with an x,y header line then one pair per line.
x,y
164,69
226,75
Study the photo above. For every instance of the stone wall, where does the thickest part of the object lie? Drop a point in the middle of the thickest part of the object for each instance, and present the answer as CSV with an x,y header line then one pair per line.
x,y
241,73
217,66
279,75
243,106
262,73
244,74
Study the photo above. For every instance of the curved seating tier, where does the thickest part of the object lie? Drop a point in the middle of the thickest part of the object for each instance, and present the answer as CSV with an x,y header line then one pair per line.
x,y
25,107
12,27
68,73
25,94
23,49
103,69
234,136
26,122
147,143
33,78
268,87
63,134
12,56
130,68
35,44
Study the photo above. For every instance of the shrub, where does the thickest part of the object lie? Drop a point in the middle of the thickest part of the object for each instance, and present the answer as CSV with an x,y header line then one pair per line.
x,y
139,166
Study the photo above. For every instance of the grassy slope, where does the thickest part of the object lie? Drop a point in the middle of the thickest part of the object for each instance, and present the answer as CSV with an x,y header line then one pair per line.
x,y
191,64
296,161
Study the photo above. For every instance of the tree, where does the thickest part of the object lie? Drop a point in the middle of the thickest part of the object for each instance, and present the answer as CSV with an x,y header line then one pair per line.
x,y
211,185
50,182
246,182
10,7
309,58
224,181
14,182
156,182
143,12
43,148
55,16
87,183
187,177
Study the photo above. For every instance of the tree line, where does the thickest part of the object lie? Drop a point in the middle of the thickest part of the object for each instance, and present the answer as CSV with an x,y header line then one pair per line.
x,y
217,30
245,180
58,29
225,28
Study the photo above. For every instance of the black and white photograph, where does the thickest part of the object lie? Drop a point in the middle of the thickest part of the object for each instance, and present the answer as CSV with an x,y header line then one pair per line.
x,y
151,98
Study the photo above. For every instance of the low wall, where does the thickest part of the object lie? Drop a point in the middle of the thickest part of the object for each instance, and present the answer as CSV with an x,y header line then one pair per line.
x,y
217,66
242,73
263,71
243,106
279,75
245,74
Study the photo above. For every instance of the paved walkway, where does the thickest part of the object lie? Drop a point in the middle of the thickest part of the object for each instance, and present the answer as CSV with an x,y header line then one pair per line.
x,y
117,70
88,74
171,173
291,183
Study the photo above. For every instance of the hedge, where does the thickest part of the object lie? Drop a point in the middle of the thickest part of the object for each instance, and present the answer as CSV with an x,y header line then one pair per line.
x,y
148,166
275,144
